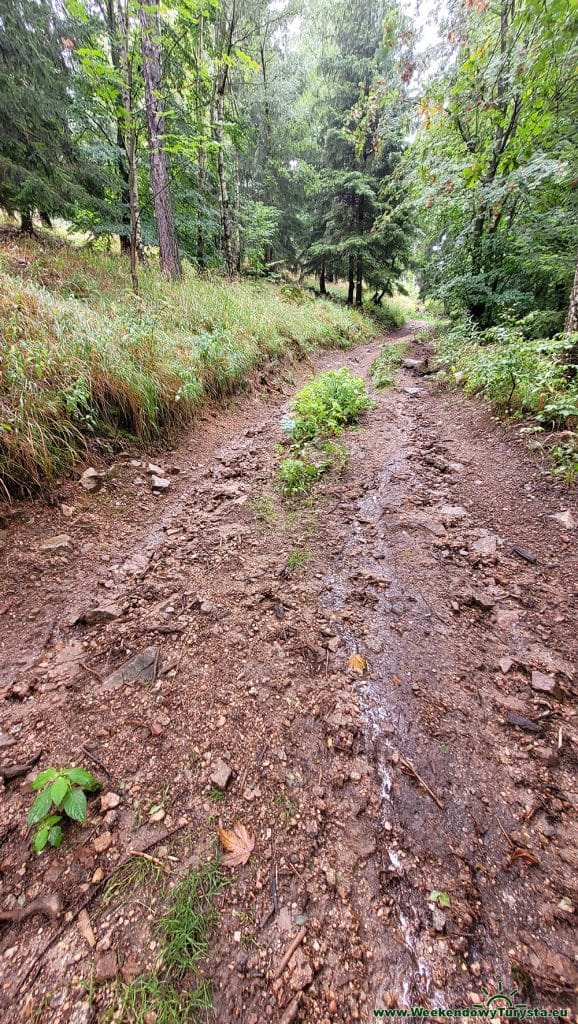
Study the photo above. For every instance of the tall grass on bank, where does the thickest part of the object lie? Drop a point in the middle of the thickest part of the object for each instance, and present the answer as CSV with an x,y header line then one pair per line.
x,y
81,355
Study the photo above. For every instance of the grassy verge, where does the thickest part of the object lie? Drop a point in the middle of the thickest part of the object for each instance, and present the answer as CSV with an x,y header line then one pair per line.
x,y
82,356
166,995
525,377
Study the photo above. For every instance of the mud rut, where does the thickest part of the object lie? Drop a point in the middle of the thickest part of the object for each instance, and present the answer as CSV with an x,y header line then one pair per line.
x,y
412,565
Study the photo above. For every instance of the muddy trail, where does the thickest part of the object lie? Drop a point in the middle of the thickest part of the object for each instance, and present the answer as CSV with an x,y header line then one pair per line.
x,y
413,810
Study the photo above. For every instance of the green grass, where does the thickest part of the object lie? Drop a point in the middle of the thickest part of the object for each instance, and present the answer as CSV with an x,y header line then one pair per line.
x,y
297,559
392,354
160,995
83,356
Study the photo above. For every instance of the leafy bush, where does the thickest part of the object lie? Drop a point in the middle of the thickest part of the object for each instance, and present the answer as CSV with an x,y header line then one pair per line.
x,y
297,476
327,403
63,791
519,375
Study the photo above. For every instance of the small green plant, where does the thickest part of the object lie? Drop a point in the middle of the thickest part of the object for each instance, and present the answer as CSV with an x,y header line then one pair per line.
x,y
297,559
327,404
440,898
264,508
62,793
216,794
297,476
391,355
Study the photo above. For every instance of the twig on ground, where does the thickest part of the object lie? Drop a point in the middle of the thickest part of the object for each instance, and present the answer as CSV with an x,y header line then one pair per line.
x,y
96,760
92,671
411,770
289,952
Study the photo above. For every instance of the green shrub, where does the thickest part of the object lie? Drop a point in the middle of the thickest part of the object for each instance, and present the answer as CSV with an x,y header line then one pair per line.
x,y
297,476
62,791
328,403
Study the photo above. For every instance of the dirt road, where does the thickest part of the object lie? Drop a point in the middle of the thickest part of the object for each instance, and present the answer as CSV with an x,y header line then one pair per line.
x,y
415,821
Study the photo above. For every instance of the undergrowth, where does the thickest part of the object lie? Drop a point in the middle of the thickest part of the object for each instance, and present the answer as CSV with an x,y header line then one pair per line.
x,y
164,995
523,376
319,412
392,354
82,356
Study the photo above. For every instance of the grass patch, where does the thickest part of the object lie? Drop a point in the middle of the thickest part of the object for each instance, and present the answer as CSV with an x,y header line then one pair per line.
x,y
297,559
83,356
391,356
160,995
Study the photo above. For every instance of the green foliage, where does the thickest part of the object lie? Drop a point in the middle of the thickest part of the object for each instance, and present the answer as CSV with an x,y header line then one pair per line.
x,y
327,404
185,930
520,376
494,165
63,791
297,559
391,355
110,362
297,476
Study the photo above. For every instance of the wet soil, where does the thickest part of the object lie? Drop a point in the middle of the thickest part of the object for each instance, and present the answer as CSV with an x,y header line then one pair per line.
x,y
413,811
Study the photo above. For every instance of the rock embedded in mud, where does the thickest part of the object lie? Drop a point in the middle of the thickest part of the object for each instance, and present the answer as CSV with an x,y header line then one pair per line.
x,y
486,547
102,842
159,484
109,801
545,684
105,966
521,722
141,668
62,542
221,775
417,365
101,613
91,480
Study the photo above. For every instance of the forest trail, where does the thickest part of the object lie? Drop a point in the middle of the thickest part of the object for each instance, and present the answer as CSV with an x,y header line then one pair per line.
x,y
439,556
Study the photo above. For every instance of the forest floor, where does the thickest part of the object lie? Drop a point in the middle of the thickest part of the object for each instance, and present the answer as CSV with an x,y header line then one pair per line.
x,y
443,555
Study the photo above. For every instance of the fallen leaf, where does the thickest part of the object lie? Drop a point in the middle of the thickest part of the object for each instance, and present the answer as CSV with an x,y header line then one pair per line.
x,y
441,898
520,854
357,663
238,843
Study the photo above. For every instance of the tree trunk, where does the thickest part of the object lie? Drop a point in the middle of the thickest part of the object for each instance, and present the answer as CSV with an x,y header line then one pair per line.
x,y
572,317
322,288
359,262
359,282
26,225
223,189
350,280
45,220
163,207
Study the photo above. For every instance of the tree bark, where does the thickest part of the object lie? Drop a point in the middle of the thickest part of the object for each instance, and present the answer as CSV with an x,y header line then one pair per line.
x,y
160,182
226,245
350,280
572,317
26,224
322,288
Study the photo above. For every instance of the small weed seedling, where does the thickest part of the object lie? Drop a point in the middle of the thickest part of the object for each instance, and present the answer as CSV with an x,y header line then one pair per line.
x,y
62,794
297,477
297,559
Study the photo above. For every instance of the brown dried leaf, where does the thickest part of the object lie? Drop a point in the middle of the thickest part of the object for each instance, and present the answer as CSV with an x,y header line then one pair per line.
x,y
357,663
521,854
238,844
